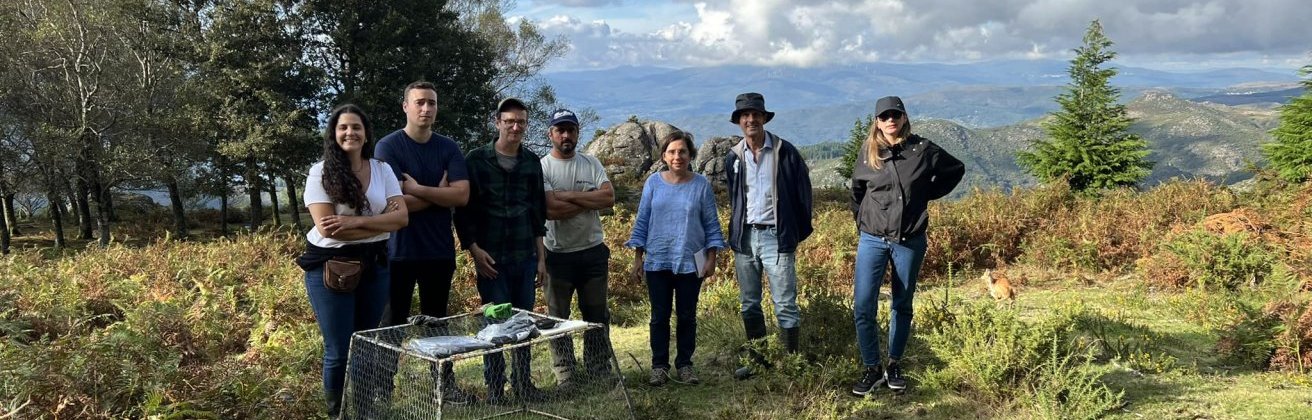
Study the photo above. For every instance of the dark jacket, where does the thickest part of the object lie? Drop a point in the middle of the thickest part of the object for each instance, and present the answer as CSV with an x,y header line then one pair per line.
x,y
890,202
507,210
792,185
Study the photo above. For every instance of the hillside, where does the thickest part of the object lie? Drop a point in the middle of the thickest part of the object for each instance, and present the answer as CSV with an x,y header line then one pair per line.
x,y
815,105
1188,140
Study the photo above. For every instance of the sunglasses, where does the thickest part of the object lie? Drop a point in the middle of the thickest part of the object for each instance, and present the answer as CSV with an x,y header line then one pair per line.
x,y
891,115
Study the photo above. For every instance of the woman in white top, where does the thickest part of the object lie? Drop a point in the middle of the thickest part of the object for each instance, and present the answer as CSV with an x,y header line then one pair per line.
x,y
356,204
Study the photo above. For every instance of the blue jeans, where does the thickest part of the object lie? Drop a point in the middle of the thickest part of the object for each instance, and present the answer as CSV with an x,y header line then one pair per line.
x,y
678,292
873,254
762,255
513,284
342,314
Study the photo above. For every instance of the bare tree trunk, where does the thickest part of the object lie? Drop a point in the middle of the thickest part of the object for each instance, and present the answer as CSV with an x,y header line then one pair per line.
x,y
293,208
179,215
4,237
103,208
11,214
83,210
57,216
273,200
255,190
109,205
223,214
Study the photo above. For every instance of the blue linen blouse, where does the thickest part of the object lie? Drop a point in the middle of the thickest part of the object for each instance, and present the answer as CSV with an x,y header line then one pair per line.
x,y
674,222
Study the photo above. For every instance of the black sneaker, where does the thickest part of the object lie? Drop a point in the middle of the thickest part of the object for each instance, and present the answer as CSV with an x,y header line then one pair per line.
x,y
893,376
872,378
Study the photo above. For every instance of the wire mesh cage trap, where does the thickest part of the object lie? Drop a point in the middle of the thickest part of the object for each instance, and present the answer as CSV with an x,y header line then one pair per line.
x,y
439,370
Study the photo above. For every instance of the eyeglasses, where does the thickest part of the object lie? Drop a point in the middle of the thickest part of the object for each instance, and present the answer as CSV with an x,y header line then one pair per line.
x,y
891,115
510,122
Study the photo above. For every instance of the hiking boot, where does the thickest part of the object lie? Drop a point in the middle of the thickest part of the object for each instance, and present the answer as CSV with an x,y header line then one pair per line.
x,y
568,386
659,376
686,376
893,376
872,378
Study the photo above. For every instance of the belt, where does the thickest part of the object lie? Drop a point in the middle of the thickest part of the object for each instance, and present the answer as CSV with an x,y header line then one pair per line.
x,y
756,226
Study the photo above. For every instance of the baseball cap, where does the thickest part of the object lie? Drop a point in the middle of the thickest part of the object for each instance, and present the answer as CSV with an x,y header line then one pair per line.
x,y
888,103
510,103
562,115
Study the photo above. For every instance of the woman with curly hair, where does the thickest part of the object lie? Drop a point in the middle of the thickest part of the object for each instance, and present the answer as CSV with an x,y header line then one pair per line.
x,y
356,204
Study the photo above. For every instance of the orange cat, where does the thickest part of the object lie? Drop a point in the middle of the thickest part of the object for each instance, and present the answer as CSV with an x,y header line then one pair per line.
x,y
999,286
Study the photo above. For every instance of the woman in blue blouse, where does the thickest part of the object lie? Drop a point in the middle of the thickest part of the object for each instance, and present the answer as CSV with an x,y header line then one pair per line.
x,y
676,226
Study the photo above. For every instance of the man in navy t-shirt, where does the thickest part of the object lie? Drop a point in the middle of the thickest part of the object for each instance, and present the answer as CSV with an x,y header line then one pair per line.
x,y
434,180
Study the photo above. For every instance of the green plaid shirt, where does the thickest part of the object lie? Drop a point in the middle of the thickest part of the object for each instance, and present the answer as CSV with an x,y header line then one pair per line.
x,y
507,210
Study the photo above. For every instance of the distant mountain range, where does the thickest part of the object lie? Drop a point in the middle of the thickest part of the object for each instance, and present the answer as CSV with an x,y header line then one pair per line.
x,y
1188,140
1200,124
815,105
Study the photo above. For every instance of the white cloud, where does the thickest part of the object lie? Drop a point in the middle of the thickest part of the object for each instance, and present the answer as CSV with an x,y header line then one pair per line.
x,y
810,32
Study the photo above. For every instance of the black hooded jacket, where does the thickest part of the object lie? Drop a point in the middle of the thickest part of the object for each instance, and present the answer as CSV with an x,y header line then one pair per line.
x,y
891,202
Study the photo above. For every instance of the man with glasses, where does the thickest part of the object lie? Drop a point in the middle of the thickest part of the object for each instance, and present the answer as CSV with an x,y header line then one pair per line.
x,y
770,193
577,188
502,227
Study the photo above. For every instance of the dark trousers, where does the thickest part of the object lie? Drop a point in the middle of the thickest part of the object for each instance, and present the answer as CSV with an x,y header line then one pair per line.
x,y
583,273
513,284
434,280
678,292
433,277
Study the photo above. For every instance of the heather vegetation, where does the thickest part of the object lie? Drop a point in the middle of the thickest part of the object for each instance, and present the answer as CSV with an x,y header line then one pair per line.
x,y
1180,301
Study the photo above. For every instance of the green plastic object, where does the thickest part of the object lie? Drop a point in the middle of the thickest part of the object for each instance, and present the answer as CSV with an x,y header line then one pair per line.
x,y
498,311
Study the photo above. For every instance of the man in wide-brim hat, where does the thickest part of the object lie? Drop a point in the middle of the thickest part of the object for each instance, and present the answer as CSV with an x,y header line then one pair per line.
x,y
770,194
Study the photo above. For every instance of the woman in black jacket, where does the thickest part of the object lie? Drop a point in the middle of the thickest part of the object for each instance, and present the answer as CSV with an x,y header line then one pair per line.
x,y
892,184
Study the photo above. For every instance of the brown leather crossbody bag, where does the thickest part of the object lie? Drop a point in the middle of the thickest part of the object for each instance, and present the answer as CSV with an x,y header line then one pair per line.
x,y
341,274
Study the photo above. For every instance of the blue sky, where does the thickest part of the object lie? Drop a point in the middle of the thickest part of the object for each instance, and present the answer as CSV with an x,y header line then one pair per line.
x,y
1166,34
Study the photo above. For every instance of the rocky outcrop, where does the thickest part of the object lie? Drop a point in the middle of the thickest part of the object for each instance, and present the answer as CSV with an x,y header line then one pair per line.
x,y
710,158
629,149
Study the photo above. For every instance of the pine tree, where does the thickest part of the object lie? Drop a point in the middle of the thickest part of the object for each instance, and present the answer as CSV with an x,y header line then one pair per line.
x,y
1088,143
856,141
1291,152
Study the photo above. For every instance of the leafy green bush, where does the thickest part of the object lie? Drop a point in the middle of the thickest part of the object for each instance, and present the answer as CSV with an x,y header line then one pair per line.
x,y
1067,389
1225,262
990,354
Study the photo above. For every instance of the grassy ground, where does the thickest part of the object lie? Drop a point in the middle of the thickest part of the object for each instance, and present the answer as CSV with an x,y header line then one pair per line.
x,y
1200,385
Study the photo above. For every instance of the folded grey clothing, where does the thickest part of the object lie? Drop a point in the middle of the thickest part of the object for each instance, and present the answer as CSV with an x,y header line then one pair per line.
x,y
446,345
518,328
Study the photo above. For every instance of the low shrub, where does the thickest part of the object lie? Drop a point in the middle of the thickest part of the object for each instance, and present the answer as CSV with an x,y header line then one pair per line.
x,y
1211,261
1112,336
